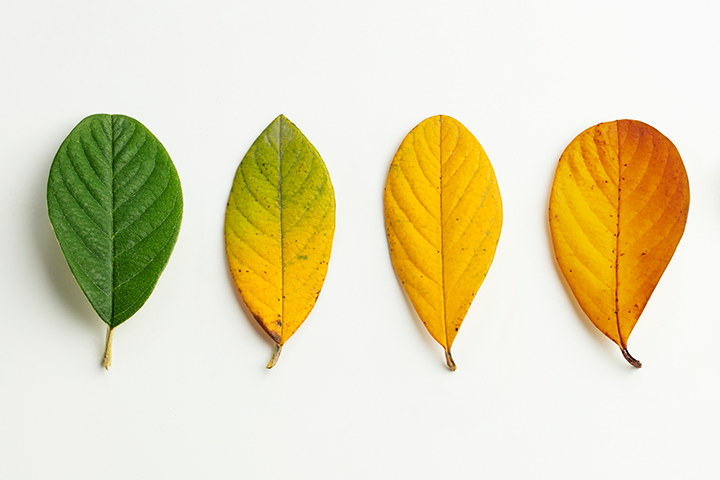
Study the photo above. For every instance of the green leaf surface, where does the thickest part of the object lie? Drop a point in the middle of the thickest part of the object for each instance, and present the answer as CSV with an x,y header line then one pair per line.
x,y
115,203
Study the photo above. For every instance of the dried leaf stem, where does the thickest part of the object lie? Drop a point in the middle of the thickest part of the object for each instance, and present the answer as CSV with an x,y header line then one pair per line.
x,y
107,359
276,355
635,363
450,362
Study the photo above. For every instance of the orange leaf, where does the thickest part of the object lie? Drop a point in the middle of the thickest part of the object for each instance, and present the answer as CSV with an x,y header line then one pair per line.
x,y
618,209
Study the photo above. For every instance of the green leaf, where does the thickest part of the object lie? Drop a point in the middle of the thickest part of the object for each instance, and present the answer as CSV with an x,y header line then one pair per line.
x,y
115,203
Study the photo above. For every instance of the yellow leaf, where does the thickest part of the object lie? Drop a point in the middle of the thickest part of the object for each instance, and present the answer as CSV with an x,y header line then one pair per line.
x,y
443,215
279,228
618,209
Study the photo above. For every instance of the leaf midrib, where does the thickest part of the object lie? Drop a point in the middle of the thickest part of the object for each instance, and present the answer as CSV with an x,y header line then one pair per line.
x,y
442,241
443,285
112,196
617,238
280,217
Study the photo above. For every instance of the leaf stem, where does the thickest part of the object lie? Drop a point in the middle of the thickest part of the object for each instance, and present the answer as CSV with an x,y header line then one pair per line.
x,y
450,362
107,359
276,355
635,363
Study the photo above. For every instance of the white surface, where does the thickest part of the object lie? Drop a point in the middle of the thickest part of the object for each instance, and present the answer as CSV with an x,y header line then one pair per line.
x,y
361,391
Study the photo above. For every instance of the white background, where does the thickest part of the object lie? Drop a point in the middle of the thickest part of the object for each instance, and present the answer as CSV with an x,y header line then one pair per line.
x,y
361,391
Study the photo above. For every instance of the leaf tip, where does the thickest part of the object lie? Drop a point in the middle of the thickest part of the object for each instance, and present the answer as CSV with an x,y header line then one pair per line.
x,y
632,361
276,355
450,362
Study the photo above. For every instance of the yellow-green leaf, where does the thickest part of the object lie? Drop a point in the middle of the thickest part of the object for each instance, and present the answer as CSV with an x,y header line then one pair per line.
x,y
279,228
443,216
618,209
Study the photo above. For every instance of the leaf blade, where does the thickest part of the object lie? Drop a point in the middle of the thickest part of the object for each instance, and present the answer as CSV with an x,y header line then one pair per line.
x,y
443,215
86,179
279,227
618,209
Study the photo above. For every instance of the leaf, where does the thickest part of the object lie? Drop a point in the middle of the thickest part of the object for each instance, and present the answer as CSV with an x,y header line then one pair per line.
x,y
443,215
279,228
115,203
618,209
